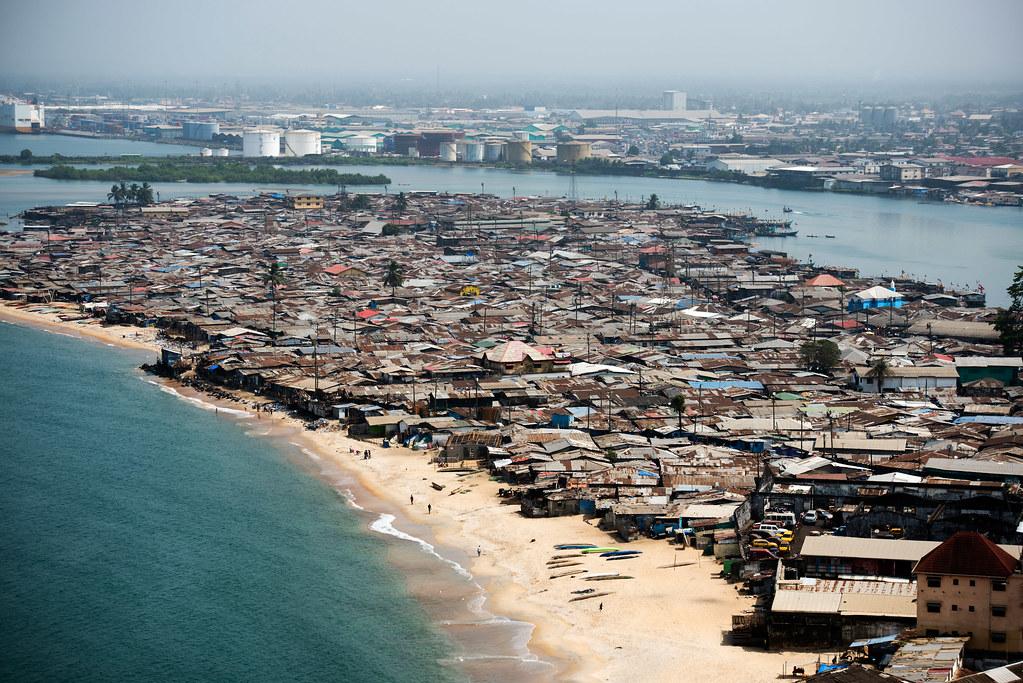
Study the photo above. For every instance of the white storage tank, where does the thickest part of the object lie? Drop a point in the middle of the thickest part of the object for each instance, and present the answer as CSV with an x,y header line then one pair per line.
x,y
493,150
221,152
448,151
299,143
472,151
205,152
260,142
361,143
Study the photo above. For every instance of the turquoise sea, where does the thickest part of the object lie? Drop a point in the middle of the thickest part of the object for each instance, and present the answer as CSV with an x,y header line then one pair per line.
x,y
144,538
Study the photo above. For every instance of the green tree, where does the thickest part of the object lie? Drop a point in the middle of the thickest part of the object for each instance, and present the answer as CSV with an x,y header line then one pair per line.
x,y
145,194
273,276
667,158
653,202
880,371
116,194
360,202
393,278
401,203
633,151
820,356
678,404
1009,322
26,155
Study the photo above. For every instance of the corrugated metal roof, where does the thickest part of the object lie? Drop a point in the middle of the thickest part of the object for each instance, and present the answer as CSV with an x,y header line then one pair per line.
x,y
866,548
802,601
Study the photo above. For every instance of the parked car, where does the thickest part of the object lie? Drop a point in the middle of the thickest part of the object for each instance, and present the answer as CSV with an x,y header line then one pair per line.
x,y
763,543
810,517
767,526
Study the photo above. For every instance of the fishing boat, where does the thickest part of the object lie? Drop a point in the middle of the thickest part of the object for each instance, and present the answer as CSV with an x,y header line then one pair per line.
x,y
574,546
592,549
622,557
621,552
786,209
830,237
588,597
601,576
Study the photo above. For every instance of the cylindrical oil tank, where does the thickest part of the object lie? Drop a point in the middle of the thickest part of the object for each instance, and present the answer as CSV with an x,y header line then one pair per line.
x,y
572,151
260,142
299,143
472,151
199,130
448,151
493,150
519,151
205,152
221,152
521,135
361,143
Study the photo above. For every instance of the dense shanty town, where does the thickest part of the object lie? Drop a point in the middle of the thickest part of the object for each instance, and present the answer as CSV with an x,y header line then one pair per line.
x,y
848,449
970,154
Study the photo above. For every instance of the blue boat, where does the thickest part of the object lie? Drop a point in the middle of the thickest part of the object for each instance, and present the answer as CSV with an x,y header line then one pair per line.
x,y
620,553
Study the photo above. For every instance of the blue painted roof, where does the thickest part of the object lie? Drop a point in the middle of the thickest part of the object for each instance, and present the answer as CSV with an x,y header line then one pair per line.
x,y
989,420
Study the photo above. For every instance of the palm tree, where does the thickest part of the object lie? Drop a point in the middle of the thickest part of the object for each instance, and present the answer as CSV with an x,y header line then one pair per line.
x,y
116,194
274,277
393,278
678,404
145,196
401,203
880,371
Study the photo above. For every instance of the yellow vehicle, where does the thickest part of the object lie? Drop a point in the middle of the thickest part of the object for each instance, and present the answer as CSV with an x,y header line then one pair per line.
x,y
783,548
764,543
786,536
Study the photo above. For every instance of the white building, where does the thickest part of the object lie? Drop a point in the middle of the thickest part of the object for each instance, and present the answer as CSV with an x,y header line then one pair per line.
x,y
742,163
673,100
21,117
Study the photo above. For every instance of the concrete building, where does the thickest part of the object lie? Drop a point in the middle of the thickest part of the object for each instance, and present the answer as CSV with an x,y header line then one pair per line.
x,y
969,586
305,202
673,100
742,163
901,172
21,117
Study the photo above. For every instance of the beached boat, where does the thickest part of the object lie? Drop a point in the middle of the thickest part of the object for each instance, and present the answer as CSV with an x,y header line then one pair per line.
x,y
587,551
588,597
602,575
622,557
613,553
573,546
436,486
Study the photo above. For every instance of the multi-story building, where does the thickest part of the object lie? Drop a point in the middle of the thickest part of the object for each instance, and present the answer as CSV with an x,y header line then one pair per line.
x,y
969,586
21,117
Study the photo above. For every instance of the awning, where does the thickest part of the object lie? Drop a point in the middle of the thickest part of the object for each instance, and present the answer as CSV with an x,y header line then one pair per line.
x,y
874,641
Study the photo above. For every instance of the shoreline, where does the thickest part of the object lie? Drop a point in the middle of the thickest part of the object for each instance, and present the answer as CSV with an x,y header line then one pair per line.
x,y
671,617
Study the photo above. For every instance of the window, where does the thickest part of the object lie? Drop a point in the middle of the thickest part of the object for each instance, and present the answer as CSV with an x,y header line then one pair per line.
x,y
972,583
934,582
998,636
955,608
972,609
955,582
998,610
997,585
934,607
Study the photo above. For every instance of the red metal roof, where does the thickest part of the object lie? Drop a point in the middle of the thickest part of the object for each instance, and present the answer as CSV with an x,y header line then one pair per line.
x,y
967,553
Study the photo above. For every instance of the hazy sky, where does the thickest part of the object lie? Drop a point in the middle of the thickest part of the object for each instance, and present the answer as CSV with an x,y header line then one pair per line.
x,y
673,42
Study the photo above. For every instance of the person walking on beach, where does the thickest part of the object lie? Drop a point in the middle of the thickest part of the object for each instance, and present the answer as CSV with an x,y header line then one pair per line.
x,y
601,608
429,509
411,500
479,551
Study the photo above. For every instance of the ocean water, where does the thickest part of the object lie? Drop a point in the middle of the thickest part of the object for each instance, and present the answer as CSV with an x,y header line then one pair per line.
x,y
142,538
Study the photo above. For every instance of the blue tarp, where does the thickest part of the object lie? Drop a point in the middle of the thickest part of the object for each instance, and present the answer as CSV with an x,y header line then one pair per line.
x,y
213,367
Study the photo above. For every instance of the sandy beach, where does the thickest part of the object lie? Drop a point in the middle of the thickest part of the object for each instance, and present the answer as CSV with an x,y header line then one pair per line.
x,y
667,623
